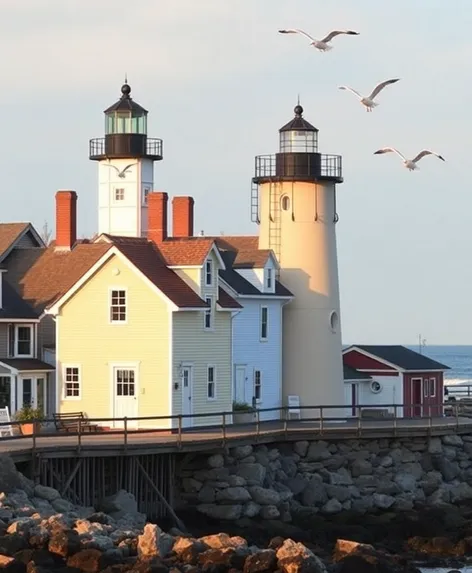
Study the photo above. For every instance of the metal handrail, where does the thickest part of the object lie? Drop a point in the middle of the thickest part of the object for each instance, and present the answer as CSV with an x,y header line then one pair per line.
x,y
320,424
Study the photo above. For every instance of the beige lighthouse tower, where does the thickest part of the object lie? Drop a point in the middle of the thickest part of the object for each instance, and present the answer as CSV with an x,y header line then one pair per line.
x,y
294,202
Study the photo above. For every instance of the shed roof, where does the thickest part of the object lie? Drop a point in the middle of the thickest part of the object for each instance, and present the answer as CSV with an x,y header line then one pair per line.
x,y
401,356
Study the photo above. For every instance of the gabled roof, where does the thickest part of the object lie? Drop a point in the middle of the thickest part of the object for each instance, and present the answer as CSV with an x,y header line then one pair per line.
x,y
252,259
10,233
44,276
41,276
13,306
146,258
186,252
353,374
400,356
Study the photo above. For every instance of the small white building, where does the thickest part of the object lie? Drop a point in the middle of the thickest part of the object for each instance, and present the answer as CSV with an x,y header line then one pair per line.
x,y
250,278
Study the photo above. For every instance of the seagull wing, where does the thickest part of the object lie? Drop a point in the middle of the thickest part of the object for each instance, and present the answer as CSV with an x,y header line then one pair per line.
x,y
335,33
378,88
113,166
128,167
389,150
351,90
297,31
425,152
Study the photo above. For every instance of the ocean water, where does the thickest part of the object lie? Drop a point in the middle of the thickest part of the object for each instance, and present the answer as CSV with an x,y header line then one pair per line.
x,y
458,358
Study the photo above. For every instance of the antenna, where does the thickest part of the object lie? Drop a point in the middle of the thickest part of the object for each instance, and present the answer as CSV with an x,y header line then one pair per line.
x,y
126,77
298,99
421,343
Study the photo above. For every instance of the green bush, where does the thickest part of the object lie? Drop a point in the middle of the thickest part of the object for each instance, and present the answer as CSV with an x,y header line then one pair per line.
x,y
29,414
242,407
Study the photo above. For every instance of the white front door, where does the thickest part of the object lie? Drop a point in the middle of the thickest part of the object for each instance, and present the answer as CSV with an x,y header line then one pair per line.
x,y
187,384
125,395
240,384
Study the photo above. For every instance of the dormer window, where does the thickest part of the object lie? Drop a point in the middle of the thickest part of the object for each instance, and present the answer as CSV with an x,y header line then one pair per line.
x,y
209,272
269,279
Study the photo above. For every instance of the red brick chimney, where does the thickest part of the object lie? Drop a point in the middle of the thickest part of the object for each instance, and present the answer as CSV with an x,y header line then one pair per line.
x,y
182,216
157,216
66,219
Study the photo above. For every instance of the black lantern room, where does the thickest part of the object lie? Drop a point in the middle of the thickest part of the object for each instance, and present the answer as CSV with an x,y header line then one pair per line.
x,y
125,132
298,158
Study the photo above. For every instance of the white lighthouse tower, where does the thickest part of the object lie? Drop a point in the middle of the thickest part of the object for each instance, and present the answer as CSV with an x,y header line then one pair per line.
x,y
125,158
294,202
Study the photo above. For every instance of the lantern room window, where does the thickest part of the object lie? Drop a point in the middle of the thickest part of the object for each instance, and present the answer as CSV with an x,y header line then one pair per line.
x,y
294,141
125,122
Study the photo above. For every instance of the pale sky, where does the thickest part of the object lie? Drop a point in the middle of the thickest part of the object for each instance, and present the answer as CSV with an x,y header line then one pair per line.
x,y
219,81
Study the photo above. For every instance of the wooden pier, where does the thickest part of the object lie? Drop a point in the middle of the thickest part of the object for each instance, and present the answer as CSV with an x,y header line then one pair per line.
x,y
86,467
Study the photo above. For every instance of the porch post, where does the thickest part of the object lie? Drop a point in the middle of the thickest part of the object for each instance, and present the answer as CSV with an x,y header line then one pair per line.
x,y
12,394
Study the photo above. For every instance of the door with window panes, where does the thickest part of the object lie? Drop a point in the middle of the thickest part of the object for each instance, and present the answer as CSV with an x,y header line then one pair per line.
x,y
125,396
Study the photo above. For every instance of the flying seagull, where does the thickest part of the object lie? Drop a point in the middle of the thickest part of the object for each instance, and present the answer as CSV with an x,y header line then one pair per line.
x,y
122,172
368,101
410,164
322,45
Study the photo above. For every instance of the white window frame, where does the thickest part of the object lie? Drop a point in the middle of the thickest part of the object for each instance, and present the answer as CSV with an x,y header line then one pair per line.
x,y
16,352
66,367
208,312
426,388
145,193
126,305
269,279
257,370
208,382
119,194
208,271
432,380
261,323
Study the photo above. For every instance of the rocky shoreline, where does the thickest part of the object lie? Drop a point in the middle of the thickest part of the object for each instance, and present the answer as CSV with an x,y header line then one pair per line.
x,y
41,532
291,480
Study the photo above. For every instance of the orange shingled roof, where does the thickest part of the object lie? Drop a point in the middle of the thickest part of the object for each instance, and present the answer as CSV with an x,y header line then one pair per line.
x,y
43,275
251,259
237,242
186,252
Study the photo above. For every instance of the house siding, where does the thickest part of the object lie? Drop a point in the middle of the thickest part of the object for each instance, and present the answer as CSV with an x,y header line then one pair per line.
x,y
46,333
360,361
87,339
199,348
191,276
252,353
4,339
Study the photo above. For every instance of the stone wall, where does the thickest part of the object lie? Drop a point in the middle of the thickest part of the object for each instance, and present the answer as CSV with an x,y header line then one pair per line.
x,y
281,481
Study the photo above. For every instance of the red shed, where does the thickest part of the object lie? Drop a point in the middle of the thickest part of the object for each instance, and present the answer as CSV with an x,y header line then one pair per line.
x,y
398,375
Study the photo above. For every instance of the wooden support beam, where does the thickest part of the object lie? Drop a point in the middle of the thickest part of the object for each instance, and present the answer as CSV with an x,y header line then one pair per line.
x,y
170,509
71,477
59,483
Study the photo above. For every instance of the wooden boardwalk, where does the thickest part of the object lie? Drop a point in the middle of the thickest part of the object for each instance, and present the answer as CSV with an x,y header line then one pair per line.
x,y
118,442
